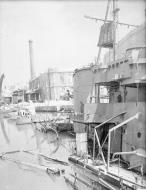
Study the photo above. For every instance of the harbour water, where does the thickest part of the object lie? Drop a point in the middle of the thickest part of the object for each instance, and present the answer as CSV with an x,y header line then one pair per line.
x,y
15,175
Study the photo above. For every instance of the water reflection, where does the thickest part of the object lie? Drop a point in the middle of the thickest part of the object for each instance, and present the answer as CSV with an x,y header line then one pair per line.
x,y
4,131
26,137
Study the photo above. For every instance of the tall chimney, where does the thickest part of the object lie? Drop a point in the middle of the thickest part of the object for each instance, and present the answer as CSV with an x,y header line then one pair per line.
x,y
32,71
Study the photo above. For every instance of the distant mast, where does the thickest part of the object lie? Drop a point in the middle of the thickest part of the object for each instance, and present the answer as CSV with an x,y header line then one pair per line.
x,y
1,82
32,71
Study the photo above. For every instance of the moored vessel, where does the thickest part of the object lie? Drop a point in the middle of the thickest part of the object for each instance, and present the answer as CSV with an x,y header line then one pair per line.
x,y
110,113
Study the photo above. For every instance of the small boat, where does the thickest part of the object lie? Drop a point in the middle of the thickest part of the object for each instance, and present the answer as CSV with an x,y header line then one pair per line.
x,y
23,119
25,113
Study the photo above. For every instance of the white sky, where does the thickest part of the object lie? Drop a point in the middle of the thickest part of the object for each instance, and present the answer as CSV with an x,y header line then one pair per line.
x,y
62,37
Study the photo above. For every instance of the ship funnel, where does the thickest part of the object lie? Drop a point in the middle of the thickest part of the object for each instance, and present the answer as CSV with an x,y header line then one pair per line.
x,y
32,71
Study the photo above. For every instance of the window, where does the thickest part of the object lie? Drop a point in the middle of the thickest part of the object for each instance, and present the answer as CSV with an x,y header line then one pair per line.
x,y
101,93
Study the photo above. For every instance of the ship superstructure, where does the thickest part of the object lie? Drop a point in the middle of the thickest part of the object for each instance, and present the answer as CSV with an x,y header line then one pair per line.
x,y
111,109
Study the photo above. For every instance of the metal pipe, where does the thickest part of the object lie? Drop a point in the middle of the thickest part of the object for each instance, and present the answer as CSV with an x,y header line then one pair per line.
x,y
95,133
100,148
138,152
136,116
109,120
114,31
123,153
108,154
113,129
94,147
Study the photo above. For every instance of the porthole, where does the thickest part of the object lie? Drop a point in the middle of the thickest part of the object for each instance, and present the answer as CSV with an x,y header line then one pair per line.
x,y
124,130
132,148
139,134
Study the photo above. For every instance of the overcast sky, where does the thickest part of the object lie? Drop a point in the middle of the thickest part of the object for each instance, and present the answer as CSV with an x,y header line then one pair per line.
x,y
62,37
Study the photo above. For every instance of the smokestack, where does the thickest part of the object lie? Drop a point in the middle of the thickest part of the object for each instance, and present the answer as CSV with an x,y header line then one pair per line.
x,y
32,71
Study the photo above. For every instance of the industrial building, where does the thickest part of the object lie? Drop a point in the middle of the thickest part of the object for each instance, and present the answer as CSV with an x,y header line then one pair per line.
x,y
51,85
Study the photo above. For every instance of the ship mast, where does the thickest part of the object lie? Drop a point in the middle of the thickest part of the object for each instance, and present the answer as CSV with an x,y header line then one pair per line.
x,y
100,48
115,20
32,71
114,26
115,23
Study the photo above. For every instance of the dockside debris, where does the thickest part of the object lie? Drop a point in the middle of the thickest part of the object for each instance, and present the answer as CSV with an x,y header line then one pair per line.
x,y
56,170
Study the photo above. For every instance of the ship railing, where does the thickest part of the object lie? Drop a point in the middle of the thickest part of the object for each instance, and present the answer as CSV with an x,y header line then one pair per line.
x,y
136,116
96,137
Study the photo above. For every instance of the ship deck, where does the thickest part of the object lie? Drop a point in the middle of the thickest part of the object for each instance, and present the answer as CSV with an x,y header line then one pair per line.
x,y
115,173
